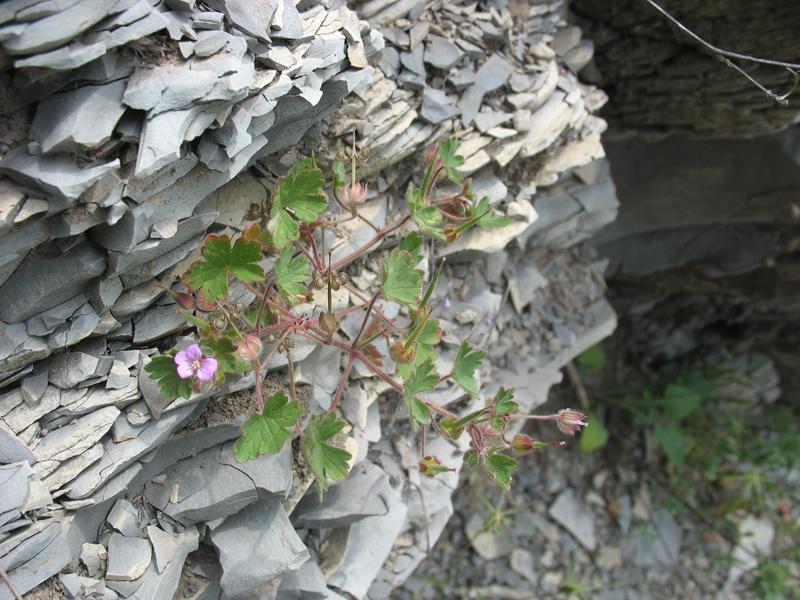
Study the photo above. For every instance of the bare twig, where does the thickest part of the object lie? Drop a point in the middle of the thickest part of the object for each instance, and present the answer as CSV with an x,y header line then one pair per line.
x,y
577,384
4,576
726,55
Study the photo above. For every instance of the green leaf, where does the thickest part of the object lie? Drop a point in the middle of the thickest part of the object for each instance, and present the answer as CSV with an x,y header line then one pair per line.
x,y
448,153
467,362
594,436
418,378
221,260
291,275
680,401
324,460
428,218
427,339
251,314
298,197
500,467
503,404
401,281
266,433
164,372
672,442
592,358
223,349
412,244
489,219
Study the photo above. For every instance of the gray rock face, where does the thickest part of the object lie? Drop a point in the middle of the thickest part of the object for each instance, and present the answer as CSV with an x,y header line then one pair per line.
x,y
128,558
42,282
33,555
58,175
213,485
262,530
78,120
365,493
574,516
12,449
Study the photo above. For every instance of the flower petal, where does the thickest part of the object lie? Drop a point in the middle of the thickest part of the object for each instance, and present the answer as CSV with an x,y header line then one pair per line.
x,y
194,352
208,367
182,357
185,370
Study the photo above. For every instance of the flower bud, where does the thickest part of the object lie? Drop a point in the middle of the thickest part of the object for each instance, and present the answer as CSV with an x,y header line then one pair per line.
x,y
430,466
524,444
185,300
249,348
451,233
570,421
401,353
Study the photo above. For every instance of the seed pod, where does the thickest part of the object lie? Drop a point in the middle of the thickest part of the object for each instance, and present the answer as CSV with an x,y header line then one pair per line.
x,y
329,323
319,283
343,278
270,339
288,342
335,284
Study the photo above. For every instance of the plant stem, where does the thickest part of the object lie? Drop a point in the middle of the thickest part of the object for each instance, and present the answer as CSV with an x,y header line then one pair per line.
x,y
290,369
364,321
377,311
4,576
432,283
382,233
534,417
342,383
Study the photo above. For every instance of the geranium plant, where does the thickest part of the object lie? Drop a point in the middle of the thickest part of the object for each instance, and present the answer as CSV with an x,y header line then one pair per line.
x,y
231,338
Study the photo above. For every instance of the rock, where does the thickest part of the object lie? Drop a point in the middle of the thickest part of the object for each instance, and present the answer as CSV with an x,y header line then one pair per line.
x,y
364,493
73,439
41,282
33,387
609,557
119,377
13,450
755,539
262,529
441,53
93,556
369,543
657,543
34,555
524,564
128,557
72,467
124,517
78,120
492,74
69,369
156,323
213,485
158,585
574,516
436,106
165,546
307,582
118,456
16,485
278,57
488,544
22,415
57,175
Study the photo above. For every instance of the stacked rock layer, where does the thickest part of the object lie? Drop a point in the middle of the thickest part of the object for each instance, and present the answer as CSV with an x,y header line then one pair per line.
x,y
132,129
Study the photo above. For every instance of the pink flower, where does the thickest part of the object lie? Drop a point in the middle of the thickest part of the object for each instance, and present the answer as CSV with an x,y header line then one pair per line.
x,y
570,421
354,194
192,362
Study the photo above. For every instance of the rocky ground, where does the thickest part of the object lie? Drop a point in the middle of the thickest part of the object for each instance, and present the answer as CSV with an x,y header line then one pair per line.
x,y
606,524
